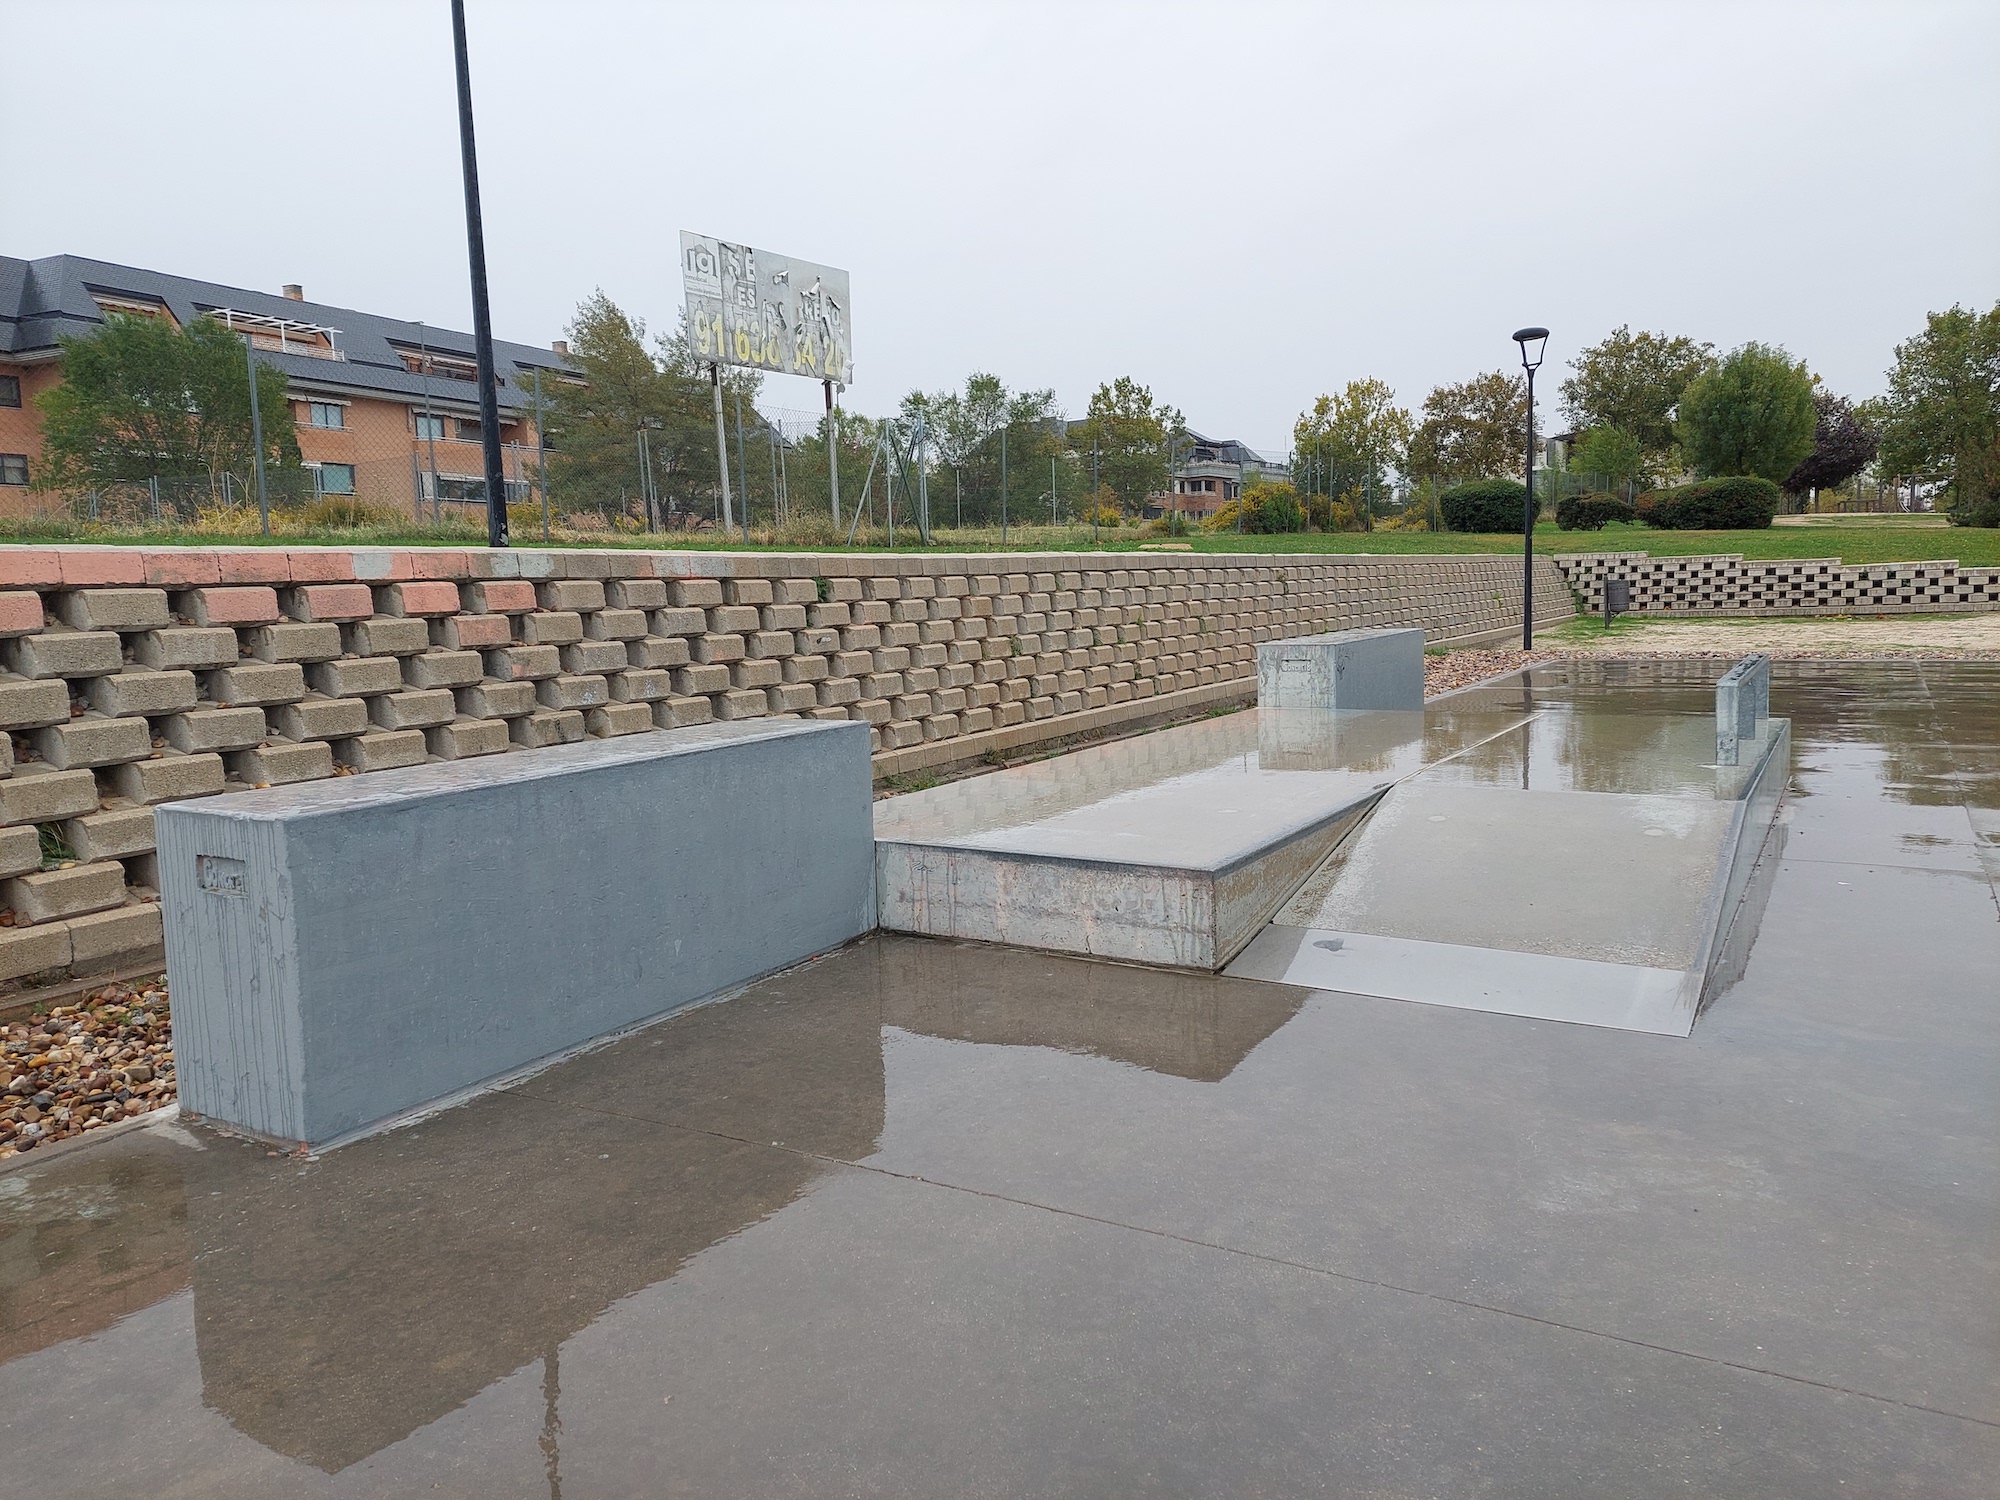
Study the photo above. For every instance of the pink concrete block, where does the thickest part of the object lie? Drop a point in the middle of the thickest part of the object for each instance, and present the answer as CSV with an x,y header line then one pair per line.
x,y
91,567
328,566
182,568
504,596
247,605
473,632
30,567
330,601
255,565
21,614
413,598
432,562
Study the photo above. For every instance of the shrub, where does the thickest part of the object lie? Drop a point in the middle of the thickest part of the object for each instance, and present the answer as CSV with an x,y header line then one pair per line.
x,y
1275,511
1590,512
1741,502
1107,515
343,513
1483,505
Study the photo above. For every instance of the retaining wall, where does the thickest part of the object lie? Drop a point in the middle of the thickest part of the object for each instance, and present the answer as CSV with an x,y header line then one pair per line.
x,y
134,677
1727,584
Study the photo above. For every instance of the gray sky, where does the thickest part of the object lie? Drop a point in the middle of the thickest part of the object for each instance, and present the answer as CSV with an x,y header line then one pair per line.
x,y
1241,205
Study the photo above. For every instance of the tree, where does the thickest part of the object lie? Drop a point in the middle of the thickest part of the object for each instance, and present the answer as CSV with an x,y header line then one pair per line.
x,y
1356,439
966,428
1608,453
140,397
1475,430
1941,416
1843,444
1129,435
1752,414
1634,382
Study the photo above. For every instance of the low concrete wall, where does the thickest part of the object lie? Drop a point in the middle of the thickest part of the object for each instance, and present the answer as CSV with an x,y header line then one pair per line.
x,y
341,955
1342,670
131,676
1727,584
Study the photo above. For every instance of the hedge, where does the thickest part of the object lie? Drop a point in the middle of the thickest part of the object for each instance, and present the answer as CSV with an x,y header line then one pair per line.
x,y
1740,502
1483,505
1590,512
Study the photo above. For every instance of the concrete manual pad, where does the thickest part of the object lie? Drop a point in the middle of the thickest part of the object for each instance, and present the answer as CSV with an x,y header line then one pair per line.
x,y
1170,848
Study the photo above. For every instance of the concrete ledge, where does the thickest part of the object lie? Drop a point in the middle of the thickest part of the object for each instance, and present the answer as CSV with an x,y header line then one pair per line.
x,y
1343,670
342,953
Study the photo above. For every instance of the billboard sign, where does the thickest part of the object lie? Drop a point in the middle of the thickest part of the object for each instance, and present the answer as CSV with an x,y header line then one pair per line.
x,y
766,312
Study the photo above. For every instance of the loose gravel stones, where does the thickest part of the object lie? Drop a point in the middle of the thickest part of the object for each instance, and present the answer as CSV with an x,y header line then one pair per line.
x,y
81,1067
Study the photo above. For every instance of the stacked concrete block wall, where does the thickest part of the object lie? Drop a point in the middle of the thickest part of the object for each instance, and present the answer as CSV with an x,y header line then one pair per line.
x,y
1727,584
132,677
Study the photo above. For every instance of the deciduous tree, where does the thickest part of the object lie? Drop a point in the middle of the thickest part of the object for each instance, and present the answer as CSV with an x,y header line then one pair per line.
x,y
1634,382
1942,412
1843,444
1129,433
1475,430
1752,414
1357,438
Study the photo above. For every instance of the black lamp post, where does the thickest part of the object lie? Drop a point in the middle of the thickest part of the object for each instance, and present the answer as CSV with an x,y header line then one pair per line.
x,y
482,321
1531,361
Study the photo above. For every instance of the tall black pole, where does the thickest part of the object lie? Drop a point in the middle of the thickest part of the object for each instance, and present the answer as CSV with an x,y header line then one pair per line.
x,y
1528,531
482,319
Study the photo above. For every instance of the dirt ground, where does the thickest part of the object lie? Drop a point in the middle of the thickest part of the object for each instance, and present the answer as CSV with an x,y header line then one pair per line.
x,y
1906,635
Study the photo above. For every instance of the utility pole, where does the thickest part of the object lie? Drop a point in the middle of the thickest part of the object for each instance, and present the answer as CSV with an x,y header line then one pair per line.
x,y
541,454
721,448
742,469
833,449
482,319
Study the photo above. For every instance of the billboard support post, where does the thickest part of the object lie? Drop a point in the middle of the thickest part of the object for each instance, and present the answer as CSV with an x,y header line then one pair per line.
x,y
721,447
833,449
742,469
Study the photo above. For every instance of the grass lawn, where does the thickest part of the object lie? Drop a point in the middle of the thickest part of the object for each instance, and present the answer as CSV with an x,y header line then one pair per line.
x,y
1870,543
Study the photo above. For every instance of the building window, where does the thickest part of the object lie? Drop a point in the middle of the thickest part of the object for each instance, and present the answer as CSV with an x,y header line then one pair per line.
x,y
10,390
430,427
13,468
326,414
468,430
336,479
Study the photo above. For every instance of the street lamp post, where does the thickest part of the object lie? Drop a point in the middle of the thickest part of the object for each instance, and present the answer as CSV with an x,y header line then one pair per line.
x,y
482,322
1531,361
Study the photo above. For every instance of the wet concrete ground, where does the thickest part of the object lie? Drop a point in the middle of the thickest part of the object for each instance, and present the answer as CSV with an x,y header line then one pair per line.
x,y
934,1219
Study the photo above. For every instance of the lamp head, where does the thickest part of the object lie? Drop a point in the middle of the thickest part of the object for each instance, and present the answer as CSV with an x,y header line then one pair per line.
x,y
1531,357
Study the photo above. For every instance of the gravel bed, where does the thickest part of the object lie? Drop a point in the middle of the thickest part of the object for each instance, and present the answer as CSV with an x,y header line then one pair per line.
x,y
106,1058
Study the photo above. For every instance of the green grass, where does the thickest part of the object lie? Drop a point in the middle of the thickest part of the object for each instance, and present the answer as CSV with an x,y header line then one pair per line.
x,y
1871,543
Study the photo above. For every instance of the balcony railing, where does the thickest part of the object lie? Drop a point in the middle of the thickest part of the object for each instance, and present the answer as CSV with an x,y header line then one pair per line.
x,y
273,345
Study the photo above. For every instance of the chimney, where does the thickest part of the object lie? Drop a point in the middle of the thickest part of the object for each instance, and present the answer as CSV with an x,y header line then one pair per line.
x,y
561,346
295,292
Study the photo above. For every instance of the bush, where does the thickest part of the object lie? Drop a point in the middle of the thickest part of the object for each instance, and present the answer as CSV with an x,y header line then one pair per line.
x,y
344,513
1741,502
1274,511
1590,512
1483,505
1107,515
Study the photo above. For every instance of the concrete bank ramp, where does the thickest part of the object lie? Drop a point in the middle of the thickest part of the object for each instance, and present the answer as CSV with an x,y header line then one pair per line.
x,y
1582,866
1171,848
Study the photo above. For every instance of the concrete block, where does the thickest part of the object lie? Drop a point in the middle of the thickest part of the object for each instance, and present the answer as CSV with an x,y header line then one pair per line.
x,y
69,653
1343,670
523,663
136,691
443,669
657,651
471,632
93,740
680,622
335,603
733,619
641,685
746,590
496,700
281,764
678,713
741,703
756,674
51,895
614,719
320,718
293,641
21,847
595,657
571,594
384,750
260,682
616,625
418,598
110,939
25,704
699,680
163,779
356,676
249,604
635,593
303,925
35,794
184,647
382,635
21,613
500,596
791,697
694,593
31,950
572,692
552,628
463,738
548,726
113,609
116,833
421,708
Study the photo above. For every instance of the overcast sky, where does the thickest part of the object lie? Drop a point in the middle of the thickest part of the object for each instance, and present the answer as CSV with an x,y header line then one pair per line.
x,y
1241,205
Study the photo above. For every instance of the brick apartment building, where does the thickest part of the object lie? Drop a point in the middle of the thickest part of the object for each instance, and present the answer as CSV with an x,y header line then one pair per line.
x,y
385,410
1210,472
